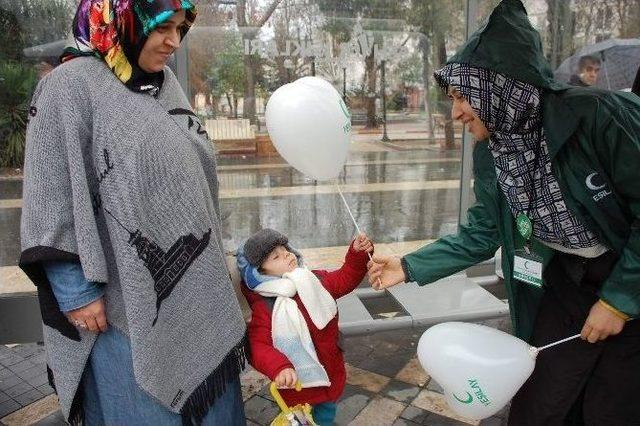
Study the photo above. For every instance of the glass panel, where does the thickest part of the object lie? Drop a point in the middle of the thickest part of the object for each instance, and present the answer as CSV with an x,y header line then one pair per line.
x,y
402,176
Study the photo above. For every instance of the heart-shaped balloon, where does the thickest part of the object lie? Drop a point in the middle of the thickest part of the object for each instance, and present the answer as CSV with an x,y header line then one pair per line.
x,y
310,126
478,367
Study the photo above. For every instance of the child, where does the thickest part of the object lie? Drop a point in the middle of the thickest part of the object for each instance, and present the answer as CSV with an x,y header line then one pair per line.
x,y
293,331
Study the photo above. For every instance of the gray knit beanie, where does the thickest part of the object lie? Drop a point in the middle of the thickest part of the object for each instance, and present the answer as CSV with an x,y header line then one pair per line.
x,y
260,244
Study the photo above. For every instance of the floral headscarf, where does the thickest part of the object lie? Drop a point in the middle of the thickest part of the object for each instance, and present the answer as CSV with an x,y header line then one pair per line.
x,y
116,31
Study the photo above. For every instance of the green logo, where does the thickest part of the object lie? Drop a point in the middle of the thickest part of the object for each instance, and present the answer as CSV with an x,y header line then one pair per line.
x,y
464,401
476,391
344,109
524,226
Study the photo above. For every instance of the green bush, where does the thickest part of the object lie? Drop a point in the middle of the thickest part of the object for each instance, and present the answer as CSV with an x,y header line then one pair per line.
x,y
17,82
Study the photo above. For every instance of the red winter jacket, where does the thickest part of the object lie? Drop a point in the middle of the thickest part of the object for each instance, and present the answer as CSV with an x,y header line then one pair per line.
x,y
270,361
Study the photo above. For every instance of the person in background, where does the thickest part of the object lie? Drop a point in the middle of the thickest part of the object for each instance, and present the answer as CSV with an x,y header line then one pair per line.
x,y
588,70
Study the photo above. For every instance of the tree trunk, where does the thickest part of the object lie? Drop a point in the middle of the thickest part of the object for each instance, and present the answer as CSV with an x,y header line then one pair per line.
x,y
229,103
371,74
423,45
235,106
443,105
250,63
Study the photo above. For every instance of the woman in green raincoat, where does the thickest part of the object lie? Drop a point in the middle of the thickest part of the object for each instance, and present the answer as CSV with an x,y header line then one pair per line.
x,y
557,184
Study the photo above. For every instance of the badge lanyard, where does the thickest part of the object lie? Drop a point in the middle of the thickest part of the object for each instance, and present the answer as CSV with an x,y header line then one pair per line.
x,y
527,265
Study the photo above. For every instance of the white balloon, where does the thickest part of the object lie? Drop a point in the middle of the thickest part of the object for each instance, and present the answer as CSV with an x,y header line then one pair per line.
x,y
320,83
310,126
478,367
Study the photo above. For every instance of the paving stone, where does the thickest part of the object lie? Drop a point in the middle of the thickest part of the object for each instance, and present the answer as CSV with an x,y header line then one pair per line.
x,y
4,397
493,421
8,407
379,411
55,419
413,373
404,422
41,410
401,391
437,420
5,372
252,382
29,397
46,389
387,365
414,414
38,381
435,403
38,359
35,371
18,389
260,410
10,382
350,390
266,393
350,407
366,379
10,359
435,387
27,350
21,366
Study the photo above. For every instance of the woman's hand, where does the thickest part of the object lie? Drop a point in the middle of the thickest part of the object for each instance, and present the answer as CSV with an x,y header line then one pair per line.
x,y
363,243
385,271
91,317
601,323
286,379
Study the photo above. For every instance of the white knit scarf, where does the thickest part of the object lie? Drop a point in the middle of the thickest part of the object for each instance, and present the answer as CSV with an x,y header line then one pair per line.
x,y
289,331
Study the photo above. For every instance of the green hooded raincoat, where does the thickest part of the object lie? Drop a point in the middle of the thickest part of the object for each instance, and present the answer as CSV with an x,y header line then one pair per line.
x,y
593,138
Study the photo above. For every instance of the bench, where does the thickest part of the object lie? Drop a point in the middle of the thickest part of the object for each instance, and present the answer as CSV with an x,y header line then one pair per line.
x,y
232,136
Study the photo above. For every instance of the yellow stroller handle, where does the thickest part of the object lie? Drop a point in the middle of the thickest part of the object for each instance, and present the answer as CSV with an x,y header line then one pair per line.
x,y
278,398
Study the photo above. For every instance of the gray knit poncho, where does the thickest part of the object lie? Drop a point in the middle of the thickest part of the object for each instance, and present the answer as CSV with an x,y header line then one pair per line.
x,y
125,183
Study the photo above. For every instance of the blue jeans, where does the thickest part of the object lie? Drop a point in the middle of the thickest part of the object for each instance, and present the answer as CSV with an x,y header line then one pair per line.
x,y
112,396
324,414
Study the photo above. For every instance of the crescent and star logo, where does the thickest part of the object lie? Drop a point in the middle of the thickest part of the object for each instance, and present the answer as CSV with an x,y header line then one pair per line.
x,y
591,185
464,401
594,183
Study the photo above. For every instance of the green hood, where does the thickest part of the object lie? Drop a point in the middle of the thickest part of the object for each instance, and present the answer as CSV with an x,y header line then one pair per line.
x,y
508,44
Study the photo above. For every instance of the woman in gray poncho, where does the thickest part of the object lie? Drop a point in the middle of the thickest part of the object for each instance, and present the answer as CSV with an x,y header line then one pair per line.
x,y
121,230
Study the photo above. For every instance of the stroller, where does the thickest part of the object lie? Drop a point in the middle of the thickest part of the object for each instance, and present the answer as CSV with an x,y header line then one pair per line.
x,y
291,416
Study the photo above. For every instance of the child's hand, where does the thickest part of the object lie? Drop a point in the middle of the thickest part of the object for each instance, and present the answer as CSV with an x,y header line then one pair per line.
x,y
287,378
363,243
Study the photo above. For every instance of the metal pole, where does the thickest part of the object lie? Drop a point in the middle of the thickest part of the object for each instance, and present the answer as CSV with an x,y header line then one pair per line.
x,y
182,66
383,83
344,85
466,172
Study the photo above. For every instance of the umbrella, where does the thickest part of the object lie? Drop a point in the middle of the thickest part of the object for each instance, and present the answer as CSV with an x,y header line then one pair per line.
x,y
620,61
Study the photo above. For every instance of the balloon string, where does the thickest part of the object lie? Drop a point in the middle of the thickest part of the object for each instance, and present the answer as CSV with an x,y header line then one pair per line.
x,y
353,219
558,342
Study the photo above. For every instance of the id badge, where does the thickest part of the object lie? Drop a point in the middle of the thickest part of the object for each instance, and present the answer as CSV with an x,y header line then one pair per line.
x,y
527,267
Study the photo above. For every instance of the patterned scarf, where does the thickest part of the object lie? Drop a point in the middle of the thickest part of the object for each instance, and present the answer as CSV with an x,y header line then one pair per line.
x,y
511,111
116,31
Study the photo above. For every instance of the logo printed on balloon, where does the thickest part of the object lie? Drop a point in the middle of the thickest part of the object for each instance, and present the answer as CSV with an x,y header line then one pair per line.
x,y
478,367
469,399
478,392
347,127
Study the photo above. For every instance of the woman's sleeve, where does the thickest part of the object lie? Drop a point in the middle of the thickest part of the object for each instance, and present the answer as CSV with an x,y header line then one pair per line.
x,y
70,287
58,222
